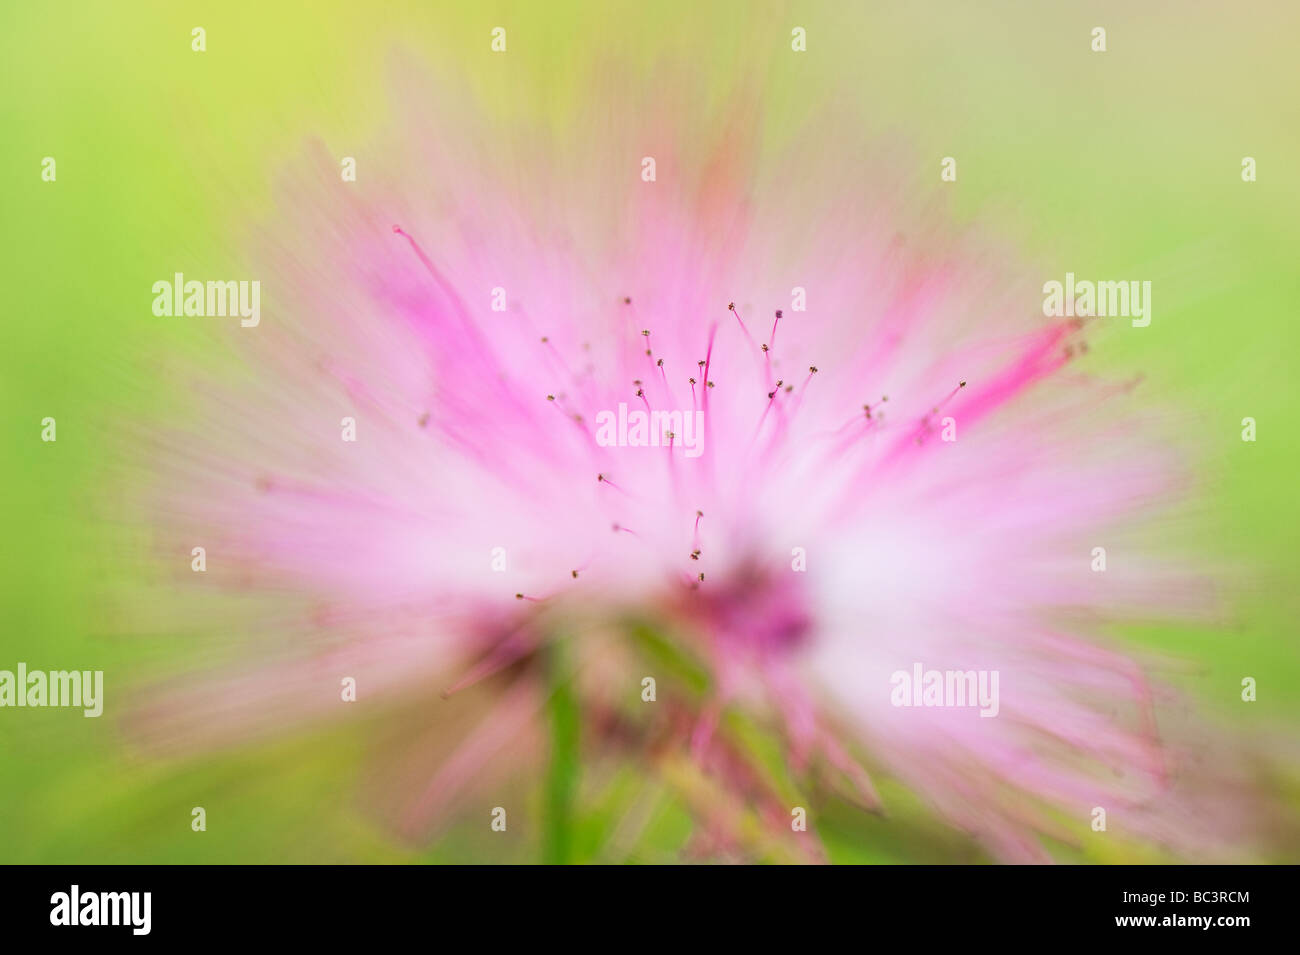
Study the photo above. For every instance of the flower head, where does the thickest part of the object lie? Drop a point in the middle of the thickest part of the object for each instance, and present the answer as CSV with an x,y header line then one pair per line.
x,y
859,448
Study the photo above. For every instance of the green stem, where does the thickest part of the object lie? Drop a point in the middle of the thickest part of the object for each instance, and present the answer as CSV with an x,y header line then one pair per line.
x,y
562,775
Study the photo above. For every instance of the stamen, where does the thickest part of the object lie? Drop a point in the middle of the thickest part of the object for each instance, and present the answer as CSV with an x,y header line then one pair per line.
x,y
924,429
558,359
771,398
668,389
603,479
736,312
951,394
557,401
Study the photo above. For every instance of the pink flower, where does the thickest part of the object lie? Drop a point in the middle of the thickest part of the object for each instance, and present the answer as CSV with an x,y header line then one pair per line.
x,y
901,462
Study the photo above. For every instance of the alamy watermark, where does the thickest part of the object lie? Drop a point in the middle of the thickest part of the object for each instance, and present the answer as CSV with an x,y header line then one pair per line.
x,y
84,688
651,429
948,688
1087,299
75,907
209,299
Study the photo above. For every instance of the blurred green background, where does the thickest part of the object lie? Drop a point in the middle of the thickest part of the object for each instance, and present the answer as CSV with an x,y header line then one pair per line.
x,y
1123,163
